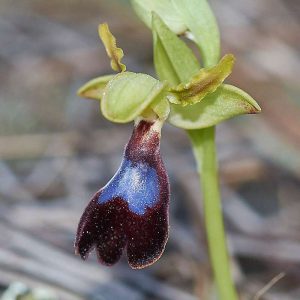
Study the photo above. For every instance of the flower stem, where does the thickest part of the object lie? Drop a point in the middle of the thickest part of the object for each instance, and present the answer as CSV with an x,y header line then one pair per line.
x,y
204,149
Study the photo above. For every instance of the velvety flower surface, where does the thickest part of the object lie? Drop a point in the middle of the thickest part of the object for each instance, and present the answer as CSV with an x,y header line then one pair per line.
x,y
131,211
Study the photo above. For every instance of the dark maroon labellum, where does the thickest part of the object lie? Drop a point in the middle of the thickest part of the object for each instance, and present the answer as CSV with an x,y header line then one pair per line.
x,y
131,211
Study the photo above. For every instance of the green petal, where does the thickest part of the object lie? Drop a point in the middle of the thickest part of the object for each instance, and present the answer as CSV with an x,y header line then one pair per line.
x,y
174,61
128,94
200,20
110,43
205,82
94,88
164,8
226,102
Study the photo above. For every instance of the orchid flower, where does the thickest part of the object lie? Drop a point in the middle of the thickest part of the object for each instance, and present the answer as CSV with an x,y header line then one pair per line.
x,y
131,211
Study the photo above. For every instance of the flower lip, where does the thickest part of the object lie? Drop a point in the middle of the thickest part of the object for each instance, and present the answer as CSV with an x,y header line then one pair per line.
x,y
131,211
135,183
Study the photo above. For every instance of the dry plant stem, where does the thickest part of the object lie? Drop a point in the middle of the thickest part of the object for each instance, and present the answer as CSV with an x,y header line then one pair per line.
x,y
204,148
268,286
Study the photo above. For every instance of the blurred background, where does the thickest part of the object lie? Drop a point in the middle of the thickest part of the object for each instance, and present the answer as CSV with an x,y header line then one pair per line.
x,y
56,151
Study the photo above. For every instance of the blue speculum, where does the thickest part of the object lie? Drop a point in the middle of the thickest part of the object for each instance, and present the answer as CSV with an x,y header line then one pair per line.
x,y
131,211
135,183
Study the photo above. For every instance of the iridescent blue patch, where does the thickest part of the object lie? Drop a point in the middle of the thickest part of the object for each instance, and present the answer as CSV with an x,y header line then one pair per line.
x,y
135,183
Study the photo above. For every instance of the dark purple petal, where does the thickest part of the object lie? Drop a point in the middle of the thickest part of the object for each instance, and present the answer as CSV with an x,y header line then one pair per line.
x,y
131,211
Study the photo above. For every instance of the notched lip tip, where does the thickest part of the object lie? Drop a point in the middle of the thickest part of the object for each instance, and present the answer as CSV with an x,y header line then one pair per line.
x,y
104,263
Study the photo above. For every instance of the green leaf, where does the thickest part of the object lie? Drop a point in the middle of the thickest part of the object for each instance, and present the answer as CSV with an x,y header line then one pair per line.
x,y
226,102
205,82
94,88
174,61
110,43
164,8
128,94
200,20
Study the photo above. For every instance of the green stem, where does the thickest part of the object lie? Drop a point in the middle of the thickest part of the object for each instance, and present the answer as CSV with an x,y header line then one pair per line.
x,y
203,141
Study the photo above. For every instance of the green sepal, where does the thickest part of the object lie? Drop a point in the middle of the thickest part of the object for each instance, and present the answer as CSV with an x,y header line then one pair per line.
x,y
114,53
128,95
164,8
174,61
94,88
201,22
226,102
206,81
